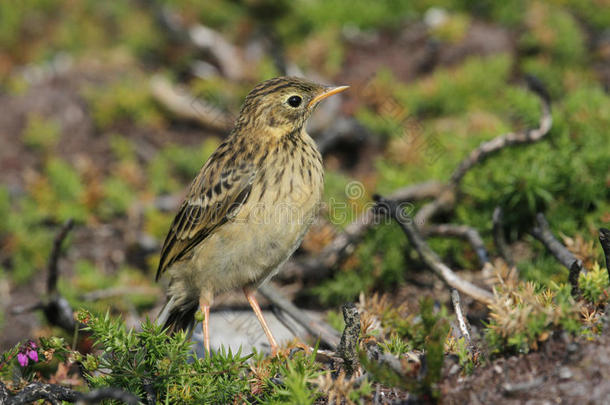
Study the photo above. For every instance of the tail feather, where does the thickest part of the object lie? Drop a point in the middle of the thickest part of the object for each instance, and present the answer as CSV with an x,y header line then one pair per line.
x,y
178,316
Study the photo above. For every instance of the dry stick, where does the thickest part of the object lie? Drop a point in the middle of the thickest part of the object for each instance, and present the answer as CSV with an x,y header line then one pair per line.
x,y
348,347
498,236
49,392
54,257
604,239
342,245
460,231
464,327
542,232
101,394
226,55
55,394
3,394
55,307
447,199
314,327
180,102
430,258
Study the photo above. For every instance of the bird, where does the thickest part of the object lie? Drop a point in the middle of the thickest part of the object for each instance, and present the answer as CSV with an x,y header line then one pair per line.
x,y
249,207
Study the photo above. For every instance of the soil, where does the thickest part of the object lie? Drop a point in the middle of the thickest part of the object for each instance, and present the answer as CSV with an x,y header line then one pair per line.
x,y
563,371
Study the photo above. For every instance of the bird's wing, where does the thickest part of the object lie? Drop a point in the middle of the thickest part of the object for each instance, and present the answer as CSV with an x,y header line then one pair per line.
x,y
215,196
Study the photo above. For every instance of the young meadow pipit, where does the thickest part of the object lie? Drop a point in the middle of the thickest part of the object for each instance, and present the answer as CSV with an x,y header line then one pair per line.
x,y
249,207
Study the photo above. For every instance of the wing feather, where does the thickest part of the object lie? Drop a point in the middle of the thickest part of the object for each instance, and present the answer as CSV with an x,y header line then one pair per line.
x,y
211,202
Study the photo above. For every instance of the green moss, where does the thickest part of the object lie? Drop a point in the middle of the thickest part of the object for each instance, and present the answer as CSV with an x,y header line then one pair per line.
x,y
594,285
119,195
125,100
40,133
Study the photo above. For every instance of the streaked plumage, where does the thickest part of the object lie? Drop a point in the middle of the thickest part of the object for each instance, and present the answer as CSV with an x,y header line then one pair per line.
x,y
250,205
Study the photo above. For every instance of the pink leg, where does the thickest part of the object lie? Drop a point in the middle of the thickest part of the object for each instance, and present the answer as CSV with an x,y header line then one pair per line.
x,y
259,314
205,308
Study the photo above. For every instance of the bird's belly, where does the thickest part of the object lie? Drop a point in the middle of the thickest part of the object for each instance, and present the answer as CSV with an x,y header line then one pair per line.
x,y
253,246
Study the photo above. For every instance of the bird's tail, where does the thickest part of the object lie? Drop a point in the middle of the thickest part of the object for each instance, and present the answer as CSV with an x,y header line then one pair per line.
x,y
176,316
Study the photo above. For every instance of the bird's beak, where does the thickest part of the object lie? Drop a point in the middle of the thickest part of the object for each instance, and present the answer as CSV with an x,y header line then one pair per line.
x,y
329,91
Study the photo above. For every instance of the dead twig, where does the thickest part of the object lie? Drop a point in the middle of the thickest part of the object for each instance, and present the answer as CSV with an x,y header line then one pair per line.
x,y
348,347
316,328
573,278
430,258
447,199
3,393
498,236
542,232
516,388
226,55
53,272
53,393
101,394
55,307
149,389
56,394
180,102
466,232
463,326
604,239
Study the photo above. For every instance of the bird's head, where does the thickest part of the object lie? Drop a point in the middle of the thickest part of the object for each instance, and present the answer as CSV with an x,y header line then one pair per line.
x,y
282,105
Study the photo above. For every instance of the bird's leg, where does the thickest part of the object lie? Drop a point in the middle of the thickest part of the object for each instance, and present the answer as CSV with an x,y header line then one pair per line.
x,y
259,314
205,308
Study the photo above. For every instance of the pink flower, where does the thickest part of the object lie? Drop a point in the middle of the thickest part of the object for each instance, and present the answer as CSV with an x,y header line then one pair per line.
x,y
33,355
22,359
28,352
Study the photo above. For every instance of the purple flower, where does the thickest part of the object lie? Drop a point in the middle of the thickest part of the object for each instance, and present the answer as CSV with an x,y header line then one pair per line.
x,y
26,353
33,355
22,359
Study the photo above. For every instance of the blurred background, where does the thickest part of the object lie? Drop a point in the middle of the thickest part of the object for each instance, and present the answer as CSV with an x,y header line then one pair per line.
x,y
109,109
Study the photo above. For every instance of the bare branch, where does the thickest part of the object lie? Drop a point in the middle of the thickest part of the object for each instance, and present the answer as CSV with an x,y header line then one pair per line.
x,y
49,392
464,327
604,239
542,232
3,393
575,270
430,258
226,54
466,232
348,347
498,235
180,102
314,327
56,308
447,200
97,396
488,148
53,270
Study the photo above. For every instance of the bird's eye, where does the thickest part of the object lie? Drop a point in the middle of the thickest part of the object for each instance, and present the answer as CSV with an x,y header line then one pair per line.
x,y
294,101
